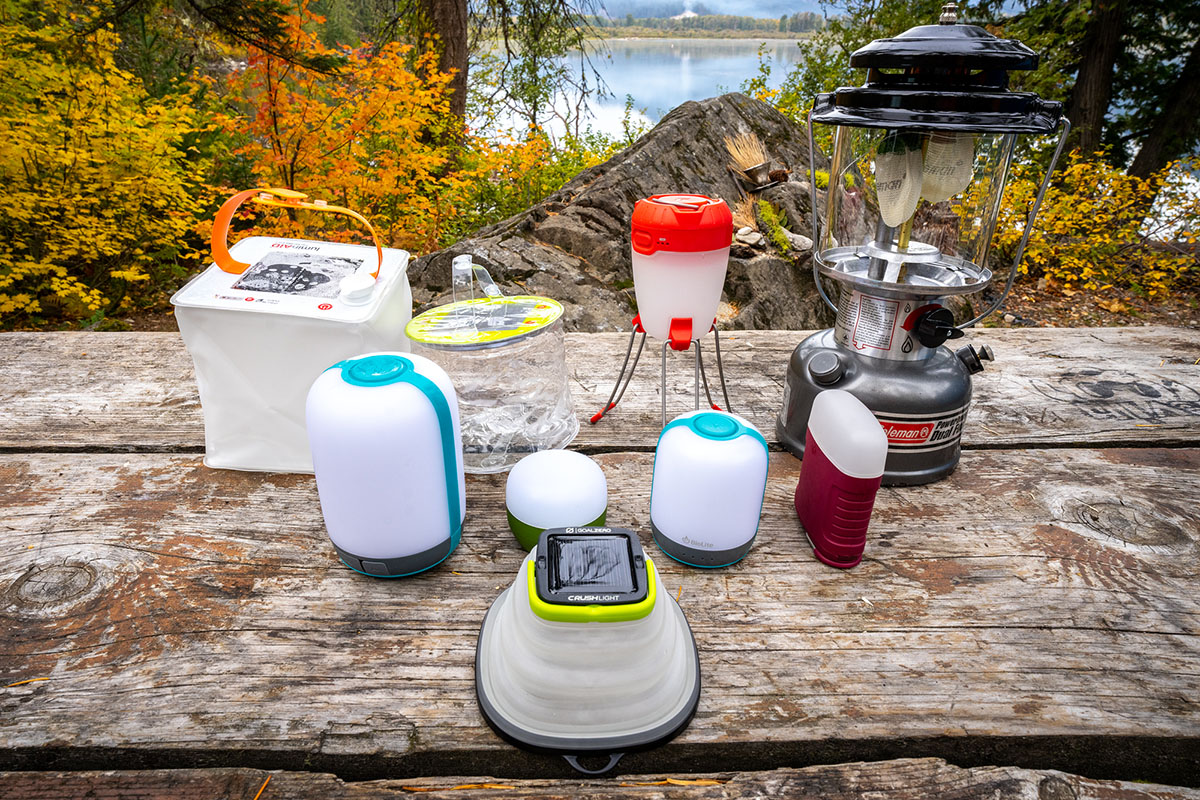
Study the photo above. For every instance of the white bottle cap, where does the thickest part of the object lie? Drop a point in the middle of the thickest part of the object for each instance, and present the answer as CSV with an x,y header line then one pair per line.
x,y
356,289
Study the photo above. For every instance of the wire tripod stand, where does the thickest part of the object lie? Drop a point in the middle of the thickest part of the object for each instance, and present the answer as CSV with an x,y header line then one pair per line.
x,y
679,338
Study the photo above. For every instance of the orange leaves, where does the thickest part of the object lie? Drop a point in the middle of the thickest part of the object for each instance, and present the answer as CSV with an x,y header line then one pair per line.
x,y
377,136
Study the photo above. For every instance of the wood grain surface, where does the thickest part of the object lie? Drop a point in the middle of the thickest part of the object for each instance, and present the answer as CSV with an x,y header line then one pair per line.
x,y
135,392
905,779
1038,608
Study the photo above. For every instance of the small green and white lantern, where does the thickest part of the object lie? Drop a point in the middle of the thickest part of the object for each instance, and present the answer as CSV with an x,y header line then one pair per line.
x,y
554,489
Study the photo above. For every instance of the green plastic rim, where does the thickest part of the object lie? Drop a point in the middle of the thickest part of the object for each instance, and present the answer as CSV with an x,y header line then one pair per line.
x,y
595,612
527,535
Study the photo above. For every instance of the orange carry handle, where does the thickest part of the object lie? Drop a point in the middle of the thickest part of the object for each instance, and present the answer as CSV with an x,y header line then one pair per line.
x,y
277,198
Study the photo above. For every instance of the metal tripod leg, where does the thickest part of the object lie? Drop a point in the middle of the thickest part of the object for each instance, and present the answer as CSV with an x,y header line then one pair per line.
x,y
615,396
704,377
666,344
721,368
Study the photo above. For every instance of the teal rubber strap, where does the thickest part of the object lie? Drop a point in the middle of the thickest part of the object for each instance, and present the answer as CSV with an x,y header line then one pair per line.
x,y
449,456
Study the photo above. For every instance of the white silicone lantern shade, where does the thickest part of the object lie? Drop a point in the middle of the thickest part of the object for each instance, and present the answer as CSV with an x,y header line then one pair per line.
x,y
556,489
583,681
707,493
378,457
848,434
670,284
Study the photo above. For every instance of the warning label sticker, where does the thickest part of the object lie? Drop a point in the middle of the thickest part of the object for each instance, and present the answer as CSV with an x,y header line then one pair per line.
x,y
867,322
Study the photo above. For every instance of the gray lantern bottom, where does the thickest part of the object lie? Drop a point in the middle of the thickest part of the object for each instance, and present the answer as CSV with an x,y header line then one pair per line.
x,y
402,566
921,404
696,556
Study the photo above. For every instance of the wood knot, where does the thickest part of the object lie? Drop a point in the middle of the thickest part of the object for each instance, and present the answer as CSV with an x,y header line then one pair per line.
x,y
50,585
1133,525
1054,788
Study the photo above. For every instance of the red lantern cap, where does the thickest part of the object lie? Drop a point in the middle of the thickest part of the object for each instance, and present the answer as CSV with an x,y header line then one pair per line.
x,y
681,223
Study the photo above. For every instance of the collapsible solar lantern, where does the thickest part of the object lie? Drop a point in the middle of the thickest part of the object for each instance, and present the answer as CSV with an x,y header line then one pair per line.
x,y
585,655
269,315
920,157
680,254
706,496
388,459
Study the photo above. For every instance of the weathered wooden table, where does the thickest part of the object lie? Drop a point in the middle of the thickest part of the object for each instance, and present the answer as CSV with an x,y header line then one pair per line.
x,y
191,628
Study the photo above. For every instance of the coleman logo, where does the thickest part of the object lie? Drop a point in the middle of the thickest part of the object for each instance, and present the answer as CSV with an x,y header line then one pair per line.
x,y
284,246
592,598
932,432
898,432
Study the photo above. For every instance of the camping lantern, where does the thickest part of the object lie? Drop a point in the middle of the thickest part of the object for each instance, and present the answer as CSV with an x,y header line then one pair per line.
x,y
388,459
920,157
586,654
680,251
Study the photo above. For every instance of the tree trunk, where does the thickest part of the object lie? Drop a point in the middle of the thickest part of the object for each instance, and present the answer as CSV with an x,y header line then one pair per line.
x,y
1093,85
1175,127
449,20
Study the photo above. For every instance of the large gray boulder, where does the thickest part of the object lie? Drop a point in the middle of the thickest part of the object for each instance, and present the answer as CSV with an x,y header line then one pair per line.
x,y
574,245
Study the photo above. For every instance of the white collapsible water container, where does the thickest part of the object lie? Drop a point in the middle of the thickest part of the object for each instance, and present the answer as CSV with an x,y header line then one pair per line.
x,y
387,454
710,476
260,337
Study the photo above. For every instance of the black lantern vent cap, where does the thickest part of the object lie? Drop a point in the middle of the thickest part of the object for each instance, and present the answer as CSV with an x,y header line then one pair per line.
x,y
947,77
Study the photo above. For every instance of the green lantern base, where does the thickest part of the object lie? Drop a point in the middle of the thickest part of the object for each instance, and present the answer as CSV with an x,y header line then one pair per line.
x,y
527,535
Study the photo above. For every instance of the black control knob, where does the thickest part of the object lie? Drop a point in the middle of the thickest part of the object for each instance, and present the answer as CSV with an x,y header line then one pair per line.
x,y
973,359
936,326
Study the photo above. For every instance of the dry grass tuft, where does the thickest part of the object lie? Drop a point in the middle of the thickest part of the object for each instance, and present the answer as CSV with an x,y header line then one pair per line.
x,y
746,151
743,214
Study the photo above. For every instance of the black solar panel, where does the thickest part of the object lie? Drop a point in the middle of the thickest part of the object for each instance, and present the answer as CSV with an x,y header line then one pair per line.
x,y
592,563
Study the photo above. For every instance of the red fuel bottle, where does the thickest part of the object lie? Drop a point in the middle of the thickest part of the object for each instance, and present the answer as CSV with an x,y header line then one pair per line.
x,y
844,453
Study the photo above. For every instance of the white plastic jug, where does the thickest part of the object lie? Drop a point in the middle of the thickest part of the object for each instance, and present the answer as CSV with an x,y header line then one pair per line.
x,y
387,453
710,476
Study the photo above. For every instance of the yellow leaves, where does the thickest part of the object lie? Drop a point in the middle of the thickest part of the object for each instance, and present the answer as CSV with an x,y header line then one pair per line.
x,y
99,190
1095,230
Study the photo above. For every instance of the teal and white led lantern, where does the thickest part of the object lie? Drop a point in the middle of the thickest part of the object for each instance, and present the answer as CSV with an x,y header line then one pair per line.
x,y
388,458
554,489
710,475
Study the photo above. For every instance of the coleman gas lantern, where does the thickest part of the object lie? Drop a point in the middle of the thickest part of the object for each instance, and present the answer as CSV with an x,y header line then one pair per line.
x,y
921,152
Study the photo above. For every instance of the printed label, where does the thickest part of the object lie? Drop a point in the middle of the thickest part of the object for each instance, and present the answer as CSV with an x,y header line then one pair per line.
x,y
866,322
912,433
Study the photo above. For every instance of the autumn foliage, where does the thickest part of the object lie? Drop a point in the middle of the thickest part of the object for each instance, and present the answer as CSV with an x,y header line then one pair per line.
x,y
100,189
1093,231
108,202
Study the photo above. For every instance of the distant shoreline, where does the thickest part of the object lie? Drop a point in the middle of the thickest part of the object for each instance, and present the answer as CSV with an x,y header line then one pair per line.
x,y
691,33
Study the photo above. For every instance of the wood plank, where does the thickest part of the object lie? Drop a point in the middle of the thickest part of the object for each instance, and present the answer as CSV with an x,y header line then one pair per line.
x,y
98,392
1037,608
901,779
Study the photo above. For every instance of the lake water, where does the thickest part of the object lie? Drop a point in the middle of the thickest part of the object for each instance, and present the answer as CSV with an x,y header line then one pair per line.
x,y
662,73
